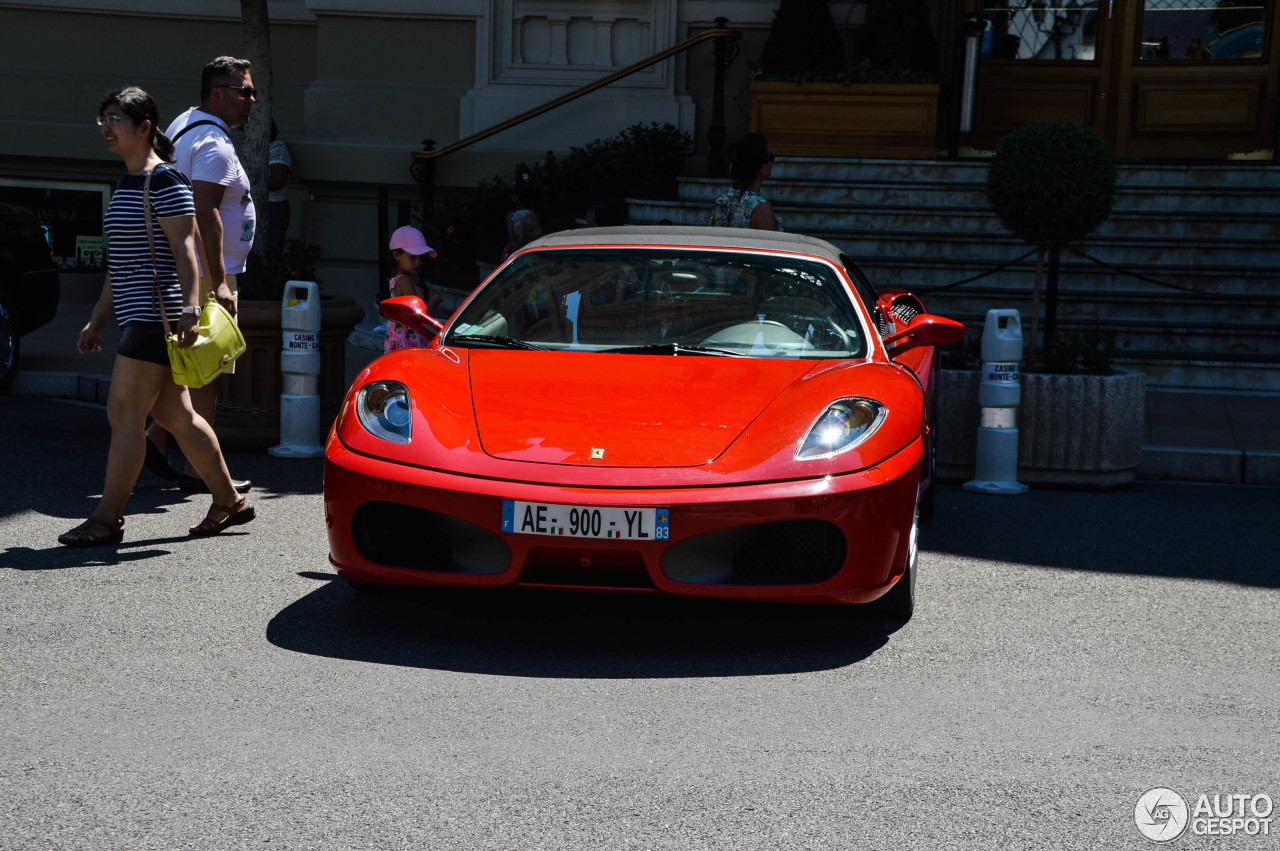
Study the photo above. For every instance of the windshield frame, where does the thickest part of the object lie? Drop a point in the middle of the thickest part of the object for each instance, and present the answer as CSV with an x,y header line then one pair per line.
x,y
754,303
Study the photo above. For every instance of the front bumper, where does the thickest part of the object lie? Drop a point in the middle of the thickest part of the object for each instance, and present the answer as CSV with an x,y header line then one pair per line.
x,y
835,540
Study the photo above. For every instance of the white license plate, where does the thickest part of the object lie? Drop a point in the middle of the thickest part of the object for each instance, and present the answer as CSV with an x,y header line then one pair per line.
x,y
585,521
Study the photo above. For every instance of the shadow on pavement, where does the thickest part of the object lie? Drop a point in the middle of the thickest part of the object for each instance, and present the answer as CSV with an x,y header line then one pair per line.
x,y
572,635
53,455
58,557
1185,531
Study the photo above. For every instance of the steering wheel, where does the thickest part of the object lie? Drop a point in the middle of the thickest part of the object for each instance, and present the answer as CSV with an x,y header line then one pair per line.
x,y
769,333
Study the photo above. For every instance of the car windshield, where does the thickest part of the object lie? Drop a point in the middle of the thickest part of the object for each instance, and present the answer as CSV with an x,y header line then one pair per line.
x,y
664,302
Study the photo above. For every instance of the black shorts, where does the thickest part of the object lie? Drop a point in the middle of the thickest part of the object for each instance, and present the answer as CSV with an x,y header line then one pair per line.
x,y
144,341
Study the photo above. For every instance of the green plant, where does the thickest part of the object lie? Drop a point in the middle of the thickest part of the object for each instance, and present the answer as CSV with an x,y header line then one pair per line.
x,y
1090,353
1052,183
803,41
641,161
267,271
896,36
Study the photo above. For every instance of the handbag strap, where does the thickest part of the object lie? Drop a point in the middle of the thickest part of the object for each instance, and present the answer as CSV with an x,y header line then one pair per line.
x,y
151,244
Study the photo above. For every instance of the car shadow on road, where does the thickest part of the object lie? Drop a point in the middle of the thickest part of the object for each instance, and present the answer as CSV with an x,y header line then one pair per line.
x,y
573,635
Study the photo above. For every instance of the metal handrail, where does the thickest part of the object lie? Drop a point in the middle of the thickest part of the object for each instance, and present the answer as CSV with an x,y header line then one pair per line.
x,y
720,32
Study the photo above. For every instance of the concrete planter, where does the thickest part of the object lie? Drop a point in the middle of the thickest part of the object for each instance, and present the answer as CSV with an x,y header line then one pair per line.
x,y
1073,430
249,401
839,120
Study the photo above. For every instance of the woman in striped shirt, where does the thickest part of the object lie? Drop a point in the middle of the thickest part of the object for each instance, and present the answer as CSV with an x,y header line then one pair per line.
x,y
141,380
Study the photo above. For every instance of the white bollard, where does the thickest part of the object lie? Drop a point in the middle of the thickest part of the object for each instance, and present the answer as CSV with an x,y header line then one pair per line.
x,y
999,394
300,369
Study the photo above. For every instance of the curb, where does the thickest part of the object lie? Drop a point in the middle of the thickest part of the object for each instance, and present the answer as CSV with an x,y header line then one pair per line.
x,y
80,386
1222,466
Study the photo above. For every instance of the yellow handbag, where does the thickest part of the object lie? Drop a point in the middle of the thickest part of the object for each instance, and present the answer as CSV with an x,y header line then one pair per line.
x,y
219,344
220,341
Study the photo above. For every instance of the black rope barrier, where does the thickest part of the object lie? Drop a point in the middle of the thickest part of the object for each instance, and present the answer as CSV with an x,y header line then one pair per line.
x,y
977,277
1119,270
1144,278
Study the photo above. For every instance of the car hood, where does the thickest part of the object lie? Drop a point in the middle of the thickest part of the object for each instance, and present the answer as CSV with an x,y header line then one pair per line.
x,y
620,410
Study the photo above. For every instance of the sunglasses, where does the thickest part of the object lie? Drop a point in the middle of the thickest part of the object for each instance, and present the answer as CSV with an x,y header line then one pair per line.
x,y
245,91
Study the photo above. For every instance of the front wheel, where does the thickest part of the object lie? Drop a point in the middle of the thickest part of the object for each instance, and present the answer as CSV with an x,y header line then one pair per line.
x,y
929,499
8,344
900,603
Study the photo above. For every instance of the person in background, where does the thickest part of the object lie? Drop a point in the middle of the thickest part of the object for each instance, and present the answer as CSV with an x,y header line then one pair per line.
x,y
224,213
742,206
278,199
523,227
148,265
408,247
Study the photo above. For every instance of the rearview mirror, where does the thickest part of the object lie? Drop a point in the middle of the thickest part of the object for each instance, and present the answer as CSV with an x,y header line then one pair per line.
x,y
411,312
925,330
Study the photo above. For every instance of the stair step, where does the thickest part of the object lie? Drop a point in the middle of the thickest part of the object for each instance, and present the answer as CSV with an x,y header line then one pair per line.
x,y
1206,238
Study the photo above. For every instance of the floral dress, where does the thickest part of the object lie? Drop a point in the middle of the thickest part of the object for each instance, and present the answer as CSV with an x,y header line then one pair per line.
x,y
400,336
734,207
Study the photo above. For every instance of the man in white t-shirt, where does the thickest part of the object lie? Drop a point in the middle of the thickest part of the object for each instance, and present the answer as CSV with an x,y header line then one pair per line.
x,y
224,212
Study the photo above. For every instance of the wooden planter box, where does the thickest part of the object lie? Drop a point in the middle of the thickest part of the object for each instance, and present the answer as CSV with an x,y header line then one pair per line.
x,y
838,120
249,401
1073,430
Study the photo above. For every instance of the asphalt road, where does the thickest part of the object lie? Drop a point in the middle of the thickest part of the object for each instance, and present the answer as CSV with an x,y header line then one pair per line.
x,y
1071,651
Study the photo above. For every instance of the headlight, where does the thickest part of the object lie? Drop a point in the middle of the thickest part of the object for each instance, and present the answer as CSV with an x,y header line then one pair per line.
x,y
843,425
383,409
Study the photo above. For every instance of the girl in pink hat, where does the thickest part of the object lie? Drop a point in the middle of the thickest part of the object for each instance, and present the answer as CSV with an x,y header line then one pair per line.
x,y
408,247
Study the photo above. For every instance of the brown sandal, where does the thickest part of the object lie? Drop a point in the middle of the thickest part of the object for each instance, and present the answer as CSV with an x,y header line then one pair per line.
x,y
232,515
94,533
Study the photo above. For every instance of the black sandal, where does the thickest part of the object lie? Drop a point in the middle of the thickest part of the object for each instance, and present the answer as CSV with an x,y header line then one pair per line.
x,y
85,535
232,515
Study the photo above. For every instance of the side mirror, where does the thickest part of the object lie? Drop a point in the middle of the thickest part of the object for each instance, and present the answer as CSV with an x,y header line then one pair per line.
x,y
925,330
411,312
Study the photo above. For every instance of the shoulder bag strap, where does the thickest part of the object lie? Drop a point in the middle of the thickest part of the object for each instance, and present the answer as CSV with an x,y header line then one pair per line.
x,y
193,125
151,244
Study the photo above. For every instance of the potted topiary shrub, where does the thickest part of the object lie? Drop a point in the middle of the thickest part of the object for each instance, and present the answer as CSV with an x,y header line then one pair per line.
x,y
1080,422
1051,183
808,101
249,400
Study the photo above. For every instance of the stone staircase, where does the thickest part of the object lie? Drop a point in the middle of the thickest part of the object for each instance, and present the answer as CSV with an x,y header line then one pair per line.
x,y
1204,239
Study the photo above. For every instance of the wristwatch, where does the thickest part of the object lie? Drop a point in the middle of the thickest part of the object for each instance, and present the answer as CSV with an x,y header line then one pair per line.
x,y
195,310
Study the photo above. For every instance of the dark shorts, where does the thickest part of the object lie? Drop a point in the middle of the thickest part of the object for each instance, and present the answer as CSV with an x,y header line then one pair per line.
x,y
144,341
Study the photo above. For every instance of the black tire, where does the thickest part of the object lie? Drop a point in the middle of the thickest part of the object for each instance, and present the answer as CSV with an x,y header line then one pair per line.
x,y
900,603
9,348
373,589
929,499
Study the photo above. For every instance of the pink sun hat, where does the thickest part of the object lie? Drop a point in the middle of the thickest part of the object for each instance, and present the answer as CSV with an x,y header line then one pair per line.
x,y
410,239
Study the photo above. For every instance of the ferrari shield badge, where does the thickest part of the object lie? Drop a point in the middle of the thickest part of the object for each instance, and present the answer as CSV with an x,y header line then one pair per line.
x,y
596,453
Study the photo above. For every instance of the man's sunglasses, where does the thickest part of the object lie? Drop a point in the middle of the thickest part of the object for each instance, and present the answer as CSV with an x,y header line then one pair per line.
x,y
245,91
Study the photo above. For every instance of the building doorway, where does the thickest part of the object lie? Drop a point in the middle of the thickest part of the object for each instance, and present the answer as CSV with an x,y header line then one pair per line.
x,y
1161,79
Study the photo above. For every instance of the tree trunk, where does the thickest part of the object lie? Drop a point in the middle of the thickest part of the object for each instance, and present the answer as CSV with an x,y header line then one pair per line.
x,y
1051,298
1032,341
257,132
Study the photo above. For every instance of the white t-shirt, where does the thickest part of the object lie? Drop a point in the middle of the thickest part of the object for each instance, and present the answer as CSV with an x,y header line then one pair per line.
x,y
206,153
278,153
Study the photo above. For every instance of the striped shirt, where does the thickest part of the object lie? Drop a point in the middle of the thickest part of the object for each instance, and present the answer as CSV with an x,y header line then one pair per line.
x,y
133,287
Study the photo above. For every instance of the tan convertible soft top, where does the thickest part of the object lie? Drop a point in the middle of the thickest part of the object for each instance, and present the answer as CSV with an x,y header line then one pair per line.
x,y
732,239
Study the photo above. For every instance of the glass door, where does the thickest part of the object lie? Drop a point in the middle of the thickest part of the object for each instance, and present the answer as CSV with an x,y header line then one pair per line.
x,y
1162,79
1195,77
1043,59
